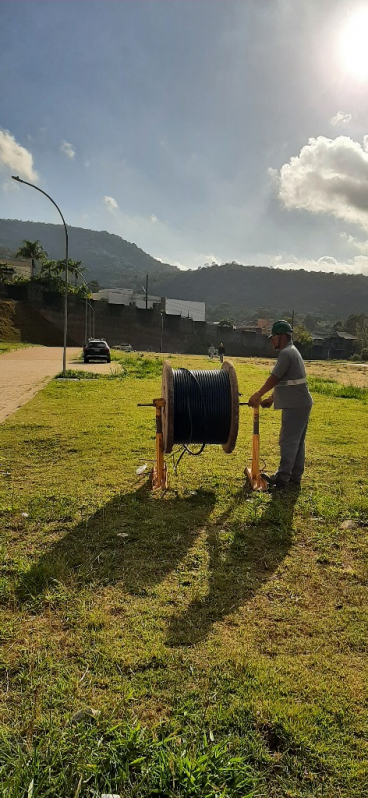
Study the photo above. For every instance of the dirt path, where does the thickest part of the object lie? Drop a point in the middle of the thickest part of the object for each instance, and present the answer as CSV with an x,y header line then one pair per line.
x,y
26,371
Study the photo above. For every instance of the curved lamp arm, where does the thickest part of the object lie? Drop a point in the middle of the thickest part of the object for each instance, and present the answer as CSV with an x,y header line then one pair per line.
x,y
19,180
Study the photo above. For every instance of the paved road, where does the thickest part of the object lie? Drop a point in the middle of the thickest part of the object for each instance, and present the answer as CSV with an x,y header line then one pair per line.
x,y
26,371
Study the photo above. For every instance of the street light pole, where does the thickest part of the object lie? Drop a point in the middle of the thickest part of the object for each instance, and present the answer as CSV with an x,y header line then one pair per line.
x,y
18,179
162,330
86,305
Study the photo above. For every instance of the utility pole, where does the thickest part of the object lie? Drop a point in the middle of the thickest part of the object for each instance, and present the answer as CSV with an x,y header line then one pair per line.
x,y
146,291
292,319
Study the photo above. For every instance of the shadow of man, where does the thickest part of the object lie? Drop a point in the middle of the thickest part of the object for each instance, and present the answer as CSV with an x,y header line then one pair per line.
x,y
137,539
236,571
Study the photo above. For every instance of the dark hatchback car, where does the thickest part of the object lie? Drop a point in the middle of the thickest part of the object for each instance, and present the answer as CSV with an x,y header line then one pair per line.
x,y
96,349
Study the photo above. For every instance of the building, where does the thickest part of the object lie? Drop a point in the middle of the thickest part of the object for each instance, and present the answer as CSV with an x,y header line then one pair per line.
x,y
126,296
171,307
10,268
333,346
185,308
261,324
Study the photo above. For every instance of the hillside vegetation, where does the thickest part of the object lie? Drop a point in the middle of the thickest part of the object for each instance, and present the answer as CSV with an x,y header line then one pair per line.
x,y
249,287
114,262
108,258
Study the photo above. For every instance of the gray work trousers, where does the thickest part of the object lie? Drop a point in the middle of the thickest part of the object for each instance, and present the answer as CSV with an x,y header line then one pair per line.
x,y
292,443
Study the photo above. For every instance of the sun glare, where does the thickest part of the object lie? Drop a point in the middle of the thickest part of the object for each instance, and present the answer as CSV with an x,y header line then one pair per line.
x,y
354,44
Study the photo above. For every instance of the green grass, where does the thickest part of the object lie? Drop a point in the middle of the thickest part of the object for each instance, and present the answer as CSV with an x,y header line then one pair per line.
x,y
6,347
139,366
76,374
221,636
329,387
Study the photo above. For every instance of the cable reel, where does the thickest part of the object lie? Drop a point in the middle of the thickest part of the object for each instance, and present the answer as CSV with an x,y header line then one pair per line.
x,y
200,407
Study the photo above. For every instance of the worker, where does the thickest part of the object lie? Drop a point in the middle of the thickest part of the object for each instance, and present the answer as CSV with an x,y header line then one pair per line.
x,y
221,351
290,394
211,351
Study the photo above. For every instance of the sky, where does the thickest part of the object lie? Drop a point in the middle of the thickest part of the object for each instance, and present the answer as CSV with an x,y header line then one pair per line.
x,y
201,130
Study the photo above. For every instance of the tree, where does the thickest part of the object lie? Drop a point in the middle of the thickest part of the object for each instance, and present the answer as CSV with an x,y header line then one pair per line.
x,y
302,339
226,323
362,334
310,322
353,322
32,250
48,267
73,268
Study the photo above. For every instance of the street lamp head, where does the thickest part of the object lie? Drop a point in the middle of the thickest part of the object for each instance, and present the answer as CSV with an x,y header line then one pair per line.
x,y
16,177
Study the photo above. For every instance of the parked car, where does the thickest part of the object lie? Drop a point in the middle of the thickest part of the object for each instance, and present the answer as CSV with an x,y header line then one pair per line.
x,y
96,349
125,347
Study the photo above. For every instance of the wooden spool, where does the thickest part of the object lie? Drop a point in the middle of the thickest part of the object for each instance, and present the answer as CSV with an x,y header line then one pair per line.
x,y
168,409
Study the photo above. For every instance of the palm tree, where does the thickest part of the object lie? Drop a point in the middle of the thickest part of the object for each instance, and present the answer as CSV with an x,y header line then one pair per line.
x,y
49,268
73,268
32,250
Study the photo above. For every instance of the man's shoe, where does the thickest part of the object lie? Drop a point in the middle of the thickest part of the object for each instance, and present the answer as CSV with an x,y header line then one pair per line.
x,y
277,486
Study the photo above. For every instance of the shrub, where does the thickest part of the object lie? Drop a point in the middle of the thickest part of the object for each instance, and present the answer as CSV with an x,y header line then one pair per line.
x,y
355,358
364,355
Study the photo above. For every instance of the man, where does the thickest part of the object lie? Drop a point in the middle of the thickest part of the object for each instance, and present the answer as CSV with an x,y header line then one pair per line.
x,y
290,394
221,351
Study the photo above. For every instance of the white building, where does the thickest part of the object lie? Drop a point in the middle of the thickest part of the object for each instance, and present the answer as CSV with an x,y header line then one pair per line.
x,y
172,307
185,308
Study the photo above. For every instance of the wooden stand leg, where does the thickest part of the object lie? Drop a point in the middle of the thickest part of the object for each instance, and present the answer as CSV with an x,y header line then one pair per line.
x,y
254,475
159,473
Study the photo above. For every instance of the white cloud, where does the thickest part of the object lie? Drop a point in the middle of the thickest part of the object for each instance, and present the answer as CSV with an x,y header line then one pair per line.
x,y
328,176
340,119
10,186
355,243
357,265
153,218
111,204
67,149
15,157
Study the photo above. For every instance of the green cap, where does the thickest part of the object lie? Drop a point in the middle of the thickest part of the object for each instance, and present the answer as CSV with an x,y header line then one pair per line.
x,y
280,327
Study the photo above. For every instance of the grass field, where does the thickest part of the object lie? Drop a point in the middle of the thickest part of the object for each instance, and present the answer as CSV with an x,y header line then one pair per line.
x,y
207,642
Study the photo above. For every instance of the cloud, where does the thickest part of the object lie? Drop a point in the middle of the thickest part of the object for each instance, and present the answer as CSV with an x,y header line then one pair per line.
x,y
357,265
111,204
355,243
328,176
67,149
340,119
15,157
153,218
10,186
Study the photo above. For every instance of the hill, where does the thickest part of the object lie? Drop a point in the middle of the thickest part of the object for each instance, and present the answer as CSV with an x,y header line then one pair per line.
x,y
118,263
109,259
249,287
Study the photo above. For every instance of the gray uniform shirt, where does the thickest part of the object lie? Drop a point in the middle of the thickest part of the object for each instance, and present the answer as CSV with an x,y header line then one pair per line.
x,y
290,366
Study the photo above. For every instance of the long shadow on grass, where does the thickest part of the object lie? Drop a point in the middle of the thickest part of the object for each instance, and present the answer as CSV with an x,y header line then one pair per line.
x,y
237,569
137,538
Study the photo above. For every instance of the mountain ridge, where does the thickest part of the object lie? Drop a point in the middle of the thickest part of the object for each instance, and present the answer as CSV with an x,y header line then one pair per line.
x,y
231,287
103,254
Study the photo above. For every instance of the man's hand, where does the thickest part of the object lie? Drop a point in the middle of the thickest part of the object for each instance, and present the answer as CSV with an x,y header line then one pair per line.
x,y
267,402
255,400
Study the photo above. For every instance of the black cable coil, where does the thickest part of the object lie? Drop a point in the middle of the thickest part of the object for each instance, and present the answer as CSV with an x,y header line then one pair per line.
x,y
202,406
